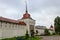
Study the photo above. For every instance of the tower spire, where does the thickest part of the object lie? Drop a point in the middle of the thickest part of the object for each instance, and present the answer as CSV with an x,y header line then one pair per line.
x,y
26,15
26,6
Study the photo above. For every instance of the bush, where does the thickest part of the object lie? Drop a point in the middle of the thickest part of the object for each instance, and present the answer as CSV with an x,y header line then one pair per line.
x,y
47,33
36,31
27,35
53,33
32,33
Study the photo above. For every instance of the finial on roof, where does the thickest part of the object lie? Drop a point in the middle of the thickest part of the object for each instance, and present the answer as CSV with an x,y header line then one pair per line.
x,y
26,15
26,6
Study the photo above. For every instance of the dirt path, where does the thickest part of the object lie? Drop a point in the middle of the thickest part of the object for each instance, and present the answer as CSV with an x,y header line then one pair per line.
x,y
50,37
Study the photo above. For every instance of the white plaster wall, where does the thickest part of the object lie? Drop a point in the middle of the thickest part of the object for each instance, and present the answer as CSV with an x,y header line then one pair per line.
x,y
29,22
0,25
51,32
12,30
8,30
0,33
40,31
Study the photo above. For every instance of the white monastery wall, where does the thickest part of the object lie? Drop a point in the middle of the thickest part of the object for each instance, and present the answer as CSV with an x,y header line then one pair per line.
x,y
8,30
40,31
29,22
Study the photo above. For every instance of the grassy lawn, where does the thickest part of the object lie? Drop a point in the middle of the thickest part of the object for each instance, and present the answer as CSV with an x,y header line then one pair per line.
x,y
32,38
10,38
23,38
35,38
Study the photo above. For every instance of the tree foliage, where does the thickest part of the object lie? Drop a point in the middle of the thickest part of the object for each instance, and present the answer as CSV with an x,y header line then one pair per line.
x,y
47,32
27,35
57,24
32,33
36,31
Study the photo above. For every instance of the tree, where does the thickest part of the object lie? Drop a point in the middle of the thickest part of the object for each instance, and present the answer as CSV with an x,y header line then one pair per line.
x,y
57,24
36,31
27,35
32,33
47,32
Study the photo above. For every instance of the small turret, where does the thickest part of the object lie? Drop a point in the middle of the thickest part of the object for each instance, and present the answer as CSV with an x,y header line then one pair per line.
x,y
51,28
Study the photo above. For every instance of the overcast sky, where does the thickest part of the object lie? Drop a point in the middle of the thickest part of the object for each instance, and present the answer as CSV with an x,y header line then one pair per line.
x,y
43,11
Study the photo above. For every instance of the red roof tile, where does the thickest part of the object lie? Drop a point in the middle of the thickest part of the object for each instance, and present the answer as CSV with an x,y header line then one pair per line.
x,y
12,21
51,26
21,23
26,15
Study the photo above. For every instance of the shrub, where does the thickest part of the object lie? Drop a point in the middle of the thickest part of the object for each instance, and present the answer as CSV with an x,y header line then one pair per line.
x,y
27,35
53,33
32,33
36,32
47,33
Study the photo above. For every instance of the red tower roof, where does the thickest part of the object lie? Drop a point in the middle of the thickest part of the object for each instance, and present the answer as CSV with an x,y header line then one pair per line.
x,y
26,15
51,26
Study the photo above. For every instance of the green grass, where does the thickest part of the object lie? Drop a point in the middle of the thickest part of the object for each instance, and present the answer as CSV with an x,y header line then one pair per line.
x,y
34,38
14,38
31,38
23,37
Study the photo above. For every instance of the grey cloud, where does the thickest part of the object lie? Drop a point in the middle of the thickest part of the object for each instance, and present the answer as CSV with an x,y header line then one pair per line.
x,y
41,4
43,11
